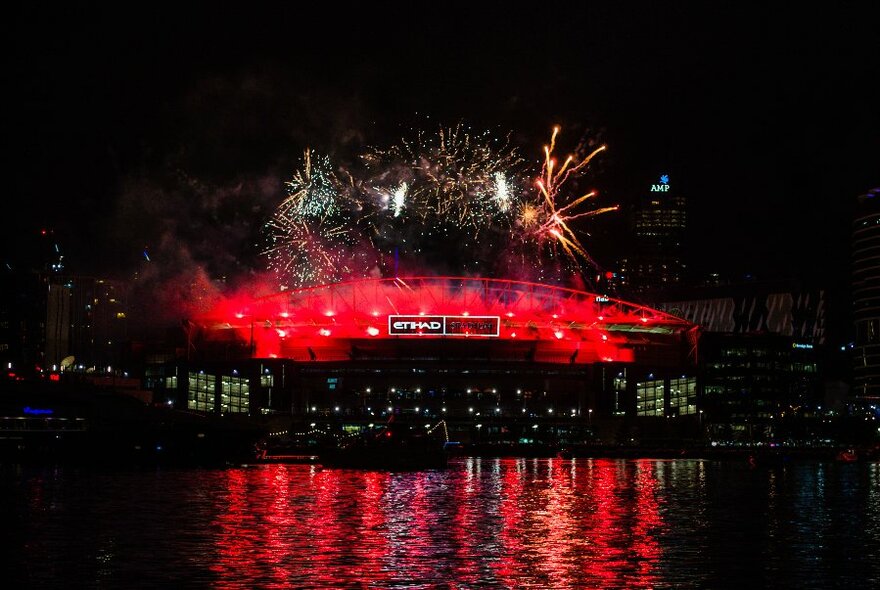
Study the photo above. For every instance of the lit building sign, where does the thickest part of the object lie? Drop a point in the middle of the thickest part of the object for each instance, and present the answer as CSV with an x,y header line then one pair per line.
x,y
663,187
443,325
38,411
472,325
415,324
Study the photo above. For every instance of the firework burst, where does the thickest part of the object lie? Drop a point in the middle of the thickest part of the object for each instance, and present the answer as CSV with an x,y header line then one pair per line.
x,y
453,175
448,202
311,237
549,220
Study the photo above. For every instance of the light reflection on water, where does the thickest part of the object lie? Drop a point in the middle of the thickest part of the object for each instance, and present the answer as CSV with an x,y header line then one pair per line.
x,y
482,523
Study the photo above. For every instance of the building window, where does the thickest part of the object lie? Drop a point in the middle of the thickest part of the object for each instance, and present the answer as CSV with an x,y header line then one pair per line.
x,y
234,395
201,392
649,398
683,395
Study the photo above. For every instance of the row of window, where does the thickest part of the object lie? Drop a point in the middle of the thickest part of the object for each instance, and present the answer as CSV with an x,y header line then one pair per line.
x,y
650,397
202,393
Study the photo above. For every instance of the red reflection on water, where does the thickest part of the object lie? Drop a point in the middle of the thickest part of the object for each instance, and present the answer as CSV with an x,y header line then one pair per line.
x,y
568,524
608,558
565,531
322,525
420,516
276,523
232,546
509,522
372,549
627,550
464,522
648,524
509,565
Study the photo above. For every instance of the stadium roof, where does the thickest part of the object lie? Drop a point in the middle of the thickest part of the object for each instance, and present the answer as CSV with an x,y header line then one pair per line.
x,y
396,316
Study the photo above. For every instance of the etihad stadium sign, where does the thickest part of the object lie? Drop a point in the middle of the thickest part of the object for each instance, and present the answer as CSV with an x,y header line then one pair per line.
x,y
443,325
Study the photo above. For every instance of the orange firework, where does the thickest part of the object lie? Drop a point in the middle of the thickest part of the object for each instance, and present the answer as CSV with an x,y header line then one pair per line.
x,y
556,218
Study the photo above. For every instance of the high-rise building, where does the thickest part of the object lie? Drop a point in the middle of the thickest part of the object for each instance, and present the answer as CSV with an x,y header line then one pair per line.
x,y
49,320
87,319
866,297
50,317
658,224
22,321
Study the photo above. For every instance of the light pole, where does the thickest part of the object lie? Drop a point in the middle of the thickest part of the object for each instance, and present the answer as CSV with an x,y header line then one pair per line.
x,y
590,417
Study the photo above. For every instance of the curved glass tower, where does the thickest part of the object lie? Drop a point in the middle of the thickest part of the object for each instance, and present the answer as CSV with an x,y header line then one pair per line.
x,y
866,297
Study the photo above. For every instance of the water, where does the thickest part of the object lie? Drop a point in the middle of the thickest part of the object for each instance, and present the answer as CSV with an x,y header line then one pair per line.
x,y
483,523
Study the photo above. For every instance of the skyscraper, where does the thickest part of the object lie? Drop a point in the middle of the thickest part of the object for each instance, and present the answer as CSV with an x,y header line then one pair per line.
x,y
658,223
866,297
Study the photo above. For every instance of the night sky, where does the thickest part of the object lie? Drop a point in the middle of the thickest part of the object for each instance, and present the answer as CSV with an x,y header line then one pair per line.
x,y
175,129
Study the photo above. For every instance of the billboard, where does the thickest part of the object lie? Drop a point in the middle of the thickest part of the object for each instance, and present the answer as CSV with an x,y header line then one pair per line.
x,y
443,325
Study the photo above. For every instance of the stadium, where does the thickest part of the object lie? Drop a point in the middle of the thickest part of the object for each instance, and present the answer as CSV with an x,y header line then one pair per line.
x,y
489,357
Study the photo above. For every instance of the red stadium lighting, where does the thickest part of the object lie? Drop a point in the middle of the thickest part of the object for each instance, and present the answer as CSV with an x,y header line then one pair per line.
x,y
425,317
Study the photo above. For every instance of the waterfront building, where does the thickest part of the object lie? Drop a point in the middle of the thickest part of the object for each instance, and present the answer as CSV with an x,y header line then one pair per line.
x,y
866,299
761,354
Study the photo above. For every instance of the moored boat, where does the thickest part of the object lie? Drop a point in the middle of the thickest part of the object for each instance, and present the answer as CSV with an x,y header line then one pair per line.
x,y
847,456
391,447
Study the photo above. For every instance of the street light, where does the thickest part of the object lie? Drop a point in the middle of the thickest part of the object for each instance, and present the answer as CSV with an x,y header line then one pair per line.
x,y
590,417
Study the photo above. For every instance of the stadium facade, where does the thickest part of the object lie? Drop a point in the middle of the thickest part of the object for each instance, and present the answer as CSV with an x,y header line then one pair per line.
x,y
490,357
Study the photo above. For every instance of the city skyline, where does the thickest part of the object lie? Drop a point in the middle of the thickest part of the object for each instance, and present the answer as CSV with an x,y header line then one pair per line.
x,y
175,137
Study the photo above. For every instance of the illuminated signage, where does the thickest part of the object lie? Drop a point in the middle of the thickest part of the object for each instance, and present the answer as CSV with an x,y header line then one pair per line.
x,y
37,411
415,324
443,325
663,187
799,345
472,325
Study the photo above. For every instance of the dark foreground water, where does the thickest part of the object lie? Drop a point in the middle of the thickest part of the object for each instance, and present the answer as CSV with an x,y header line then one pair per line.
x,y
483,523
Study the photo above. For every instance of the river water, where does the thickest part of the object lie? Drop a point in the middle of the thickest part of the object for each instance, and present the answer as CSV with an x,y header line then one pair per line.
x,y
481,523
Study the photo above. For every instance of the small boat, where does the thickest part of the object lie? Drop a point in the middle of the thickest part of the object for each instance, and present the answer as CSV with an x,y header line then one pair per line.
x,y
847,456
392,447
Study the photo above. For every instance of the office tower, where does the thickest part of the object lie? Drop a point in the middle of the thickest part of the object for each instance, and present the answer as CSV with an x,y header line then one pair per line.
x,y
866,297
658,222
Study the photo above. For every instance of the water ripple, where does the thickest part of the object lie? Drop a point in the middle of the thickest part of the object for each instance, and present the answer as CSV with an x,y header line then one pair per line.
x,y
482,523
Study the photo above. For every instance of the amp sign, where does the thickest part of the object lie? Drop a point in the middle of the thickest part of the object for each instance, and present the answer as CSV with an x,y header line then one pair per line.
x,y
663,187
443,325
